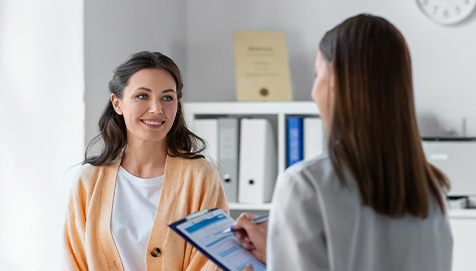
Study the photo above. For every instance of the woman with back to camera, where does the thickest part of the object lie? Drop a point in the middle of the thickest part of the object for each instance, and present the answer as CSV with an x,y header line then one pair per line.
x,y
372,202
148,174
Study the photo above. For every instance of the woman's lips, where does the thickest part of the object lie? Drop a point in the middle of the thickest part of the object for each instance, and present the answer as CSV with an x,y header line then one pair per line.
x,y
153,122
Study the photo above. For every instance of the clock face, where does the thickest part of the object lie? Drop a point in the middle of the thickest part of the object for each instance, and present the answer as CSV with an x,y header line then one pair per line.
x,y
447,11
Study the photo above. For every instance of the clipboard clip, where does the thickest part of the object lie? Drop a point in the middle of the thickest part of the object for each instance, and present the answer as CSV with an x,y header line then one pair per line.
x,y
199,216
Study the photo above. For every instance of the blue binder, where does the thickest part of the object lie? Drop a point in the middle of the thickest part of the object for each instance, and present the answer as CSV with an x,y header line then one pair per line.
x,y
295,140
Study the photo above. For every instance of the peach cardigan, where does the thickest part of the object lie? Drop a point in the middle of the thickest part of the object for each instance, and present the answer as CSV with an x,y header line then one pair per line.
x,y
189,186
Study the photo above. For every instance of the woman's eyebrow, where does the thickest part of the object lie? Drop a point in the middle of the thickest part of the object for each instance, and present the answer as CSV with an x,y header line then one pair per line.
x,y
168,90
149,90
142,88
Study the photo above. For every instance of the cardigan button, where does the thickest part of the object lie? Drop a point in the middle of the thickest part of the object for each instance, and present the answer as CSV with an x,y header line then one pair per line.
x,y
155,252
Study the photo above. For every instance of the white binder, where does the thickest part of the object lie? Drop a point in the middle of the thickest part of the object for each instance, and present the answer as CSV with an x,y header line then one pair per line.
x,y
258,161
207,129
228,140
313,137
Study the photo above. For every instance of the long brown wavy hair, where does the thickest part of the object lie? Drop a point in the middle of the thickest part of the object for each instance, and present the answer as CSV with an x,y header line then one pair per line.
x,y
112,128
374,132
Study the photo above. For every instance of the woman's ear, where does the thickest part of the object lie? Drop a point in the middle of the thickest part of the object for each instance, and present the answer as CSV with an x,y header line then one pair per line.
x,y
117,104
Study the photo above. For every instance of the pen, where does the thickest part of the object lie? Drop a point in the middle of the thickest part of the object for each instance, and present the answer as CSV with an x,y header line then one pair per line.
x,y
256,220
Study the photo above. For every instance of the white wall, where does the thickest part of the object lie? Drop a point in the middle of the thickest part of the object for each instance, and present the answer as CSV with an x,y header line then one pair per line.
x,y
198,36
444,59
462,227
42,126
116,29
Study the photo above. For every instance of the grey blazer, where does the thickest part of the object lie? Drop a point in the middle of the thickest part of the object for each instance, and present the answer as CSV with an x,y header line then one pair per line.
x,y
317,224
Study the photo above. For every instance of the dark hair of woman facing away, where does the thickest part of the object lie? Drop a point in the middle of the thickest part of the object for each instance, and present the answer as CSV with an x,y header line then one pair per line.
x,y
180,140
374,132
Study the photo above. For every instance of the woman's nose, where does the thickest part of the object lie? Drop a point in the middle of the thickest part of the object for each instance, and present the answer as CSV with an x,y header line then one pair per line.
x,y
155,107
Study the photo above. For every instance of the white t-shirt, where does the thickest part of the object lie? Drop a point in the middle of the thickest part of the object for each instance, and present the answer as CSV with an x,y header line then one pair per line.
x,y
133,212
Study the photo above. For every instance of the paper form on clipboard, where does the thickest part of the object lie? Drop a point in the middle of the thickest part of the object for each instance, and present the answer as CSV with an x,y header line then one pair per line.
x,y
204,230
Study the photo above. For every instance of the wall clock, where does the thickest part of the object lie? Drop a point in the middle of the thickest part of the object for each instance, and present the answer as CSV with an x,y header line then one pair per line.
x,y
447,11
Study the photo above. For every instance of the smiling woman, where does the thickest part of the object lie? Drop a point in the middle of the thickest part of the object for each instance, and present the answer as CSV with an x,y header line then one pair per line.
x,y
149,174
148,106
112,125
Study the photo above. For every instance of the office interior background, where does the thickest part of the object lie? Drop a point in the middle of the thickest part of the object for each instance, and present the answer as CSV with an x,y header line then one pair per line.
x,y
56,58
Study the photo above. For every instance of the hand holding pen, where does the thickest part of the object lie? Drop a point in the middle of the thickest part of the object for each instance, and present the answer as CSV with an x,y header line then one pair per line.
x,y
256,220
252,235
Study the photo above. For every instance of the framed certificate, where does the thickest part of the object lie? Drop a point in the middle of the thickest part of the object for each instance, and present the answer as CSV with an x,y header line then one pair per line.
x,y
261,66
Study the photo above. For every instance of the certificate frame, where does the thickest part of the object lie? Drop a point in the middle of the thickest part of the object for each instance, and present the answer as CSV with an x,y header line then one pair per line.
x,y
261,66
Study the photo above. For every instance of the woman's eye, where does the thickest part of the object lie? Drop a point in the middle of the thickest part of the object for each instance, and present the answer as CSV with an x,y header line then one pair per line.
x,y
168,98
142,96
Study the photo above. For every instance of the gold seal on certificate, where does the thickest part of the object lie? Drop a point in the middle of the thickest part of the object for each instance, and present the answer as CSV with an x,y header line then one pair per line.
x,y
261,66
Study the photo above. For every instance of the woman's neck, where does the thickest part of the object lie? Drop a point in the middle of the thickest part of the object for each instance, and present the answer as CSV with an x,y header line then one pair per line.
x,y
145,159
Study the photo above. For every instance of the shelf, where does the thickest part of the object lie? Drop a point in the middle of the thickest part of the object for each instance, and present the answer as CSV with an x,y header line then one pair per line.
x,y
259,108
275,112
462,213
250,206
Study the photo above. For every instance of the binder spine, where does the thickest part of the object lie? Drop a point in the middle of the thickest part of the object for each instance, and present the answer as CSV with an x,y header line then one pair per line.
x,y
295,140
313,137
258,161
208,130
228,146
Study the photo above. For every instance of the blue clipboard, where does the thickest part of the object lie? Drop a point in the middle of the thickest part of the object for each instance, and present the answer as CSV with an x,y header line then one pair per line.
x,y
204,231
